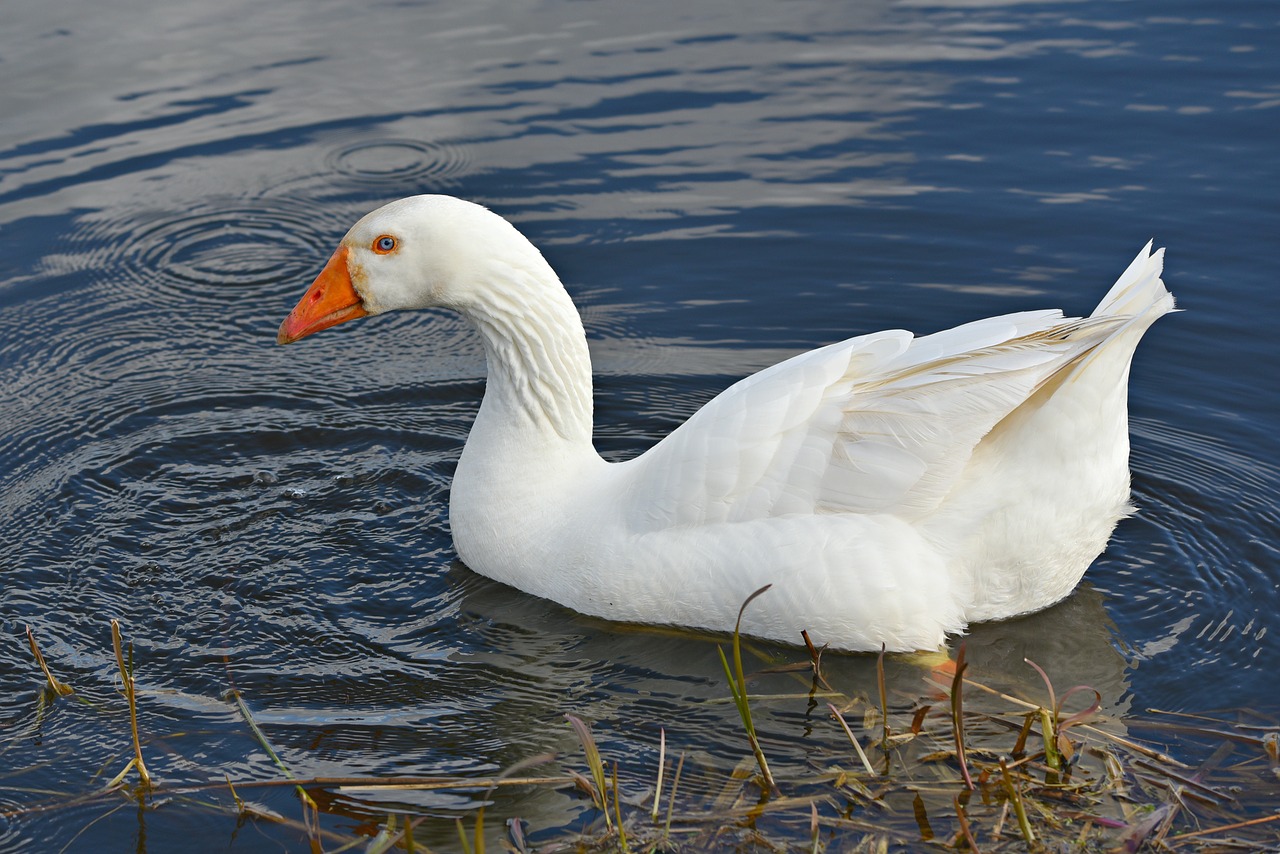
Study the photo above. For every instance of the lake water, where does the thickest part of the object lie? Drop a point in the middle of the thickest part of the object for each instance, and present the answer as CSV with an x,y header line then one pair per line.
x,y
720,185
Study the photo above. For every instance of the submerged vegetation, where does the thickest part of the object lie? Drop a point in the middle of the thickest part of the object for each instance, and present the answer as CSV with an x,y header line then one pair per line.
x,y
961,767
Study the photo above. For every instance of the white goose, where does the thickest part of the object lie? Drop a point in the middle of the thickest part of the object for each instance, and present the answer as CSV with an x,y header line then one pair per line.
x,y
892,489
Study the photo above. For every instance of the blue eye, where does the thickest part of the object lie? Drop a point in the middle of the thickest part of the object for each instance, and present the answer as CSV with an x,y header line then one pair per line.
x,y
384,244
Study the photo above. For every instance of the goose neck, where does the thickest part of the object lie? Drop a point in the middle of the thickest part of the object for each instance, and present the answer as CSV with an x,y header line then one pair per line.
x,y
539,368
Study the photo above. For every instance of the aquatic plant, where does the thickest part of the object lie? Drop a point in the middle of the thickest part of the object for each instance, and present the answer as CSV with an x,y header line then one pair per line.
x,y
966,768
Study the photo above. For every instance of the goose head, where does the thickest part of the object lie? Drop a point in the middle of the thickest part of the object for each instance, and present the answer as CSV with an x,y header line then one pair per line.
x,y
420,252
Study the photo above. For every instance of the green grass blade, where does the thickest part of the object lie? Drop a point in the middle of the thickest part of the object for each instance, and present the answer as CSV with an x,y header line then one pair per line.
x,y
594,763
738,687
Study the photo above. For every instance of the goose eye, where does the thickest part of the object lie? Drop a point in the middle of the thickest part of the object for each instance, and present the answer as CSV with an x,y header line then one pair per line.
x,y
384,244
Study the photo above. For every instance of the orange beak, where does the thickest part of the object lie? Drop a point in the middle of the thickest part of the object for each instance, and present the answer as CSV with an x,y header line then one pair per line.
x,y
330,300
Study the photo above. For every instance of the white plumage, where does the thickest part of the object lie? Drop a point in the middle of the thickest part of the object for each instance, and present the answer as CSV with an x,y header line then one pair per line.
x,y
892,489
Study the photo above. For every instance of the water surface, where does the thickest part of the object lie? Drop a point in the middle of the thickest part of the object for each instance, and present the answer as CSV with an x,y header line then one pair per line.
x,y
720,185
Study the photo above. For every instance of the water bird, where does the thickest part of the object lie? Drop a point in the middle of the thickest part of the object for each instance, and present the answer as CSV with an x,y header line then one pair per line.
x,y
892,489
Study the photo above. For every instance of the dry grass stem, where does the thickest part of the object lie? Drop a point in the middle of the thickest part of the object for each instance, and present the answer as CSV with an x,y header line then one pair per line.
x,y
130,695
59,688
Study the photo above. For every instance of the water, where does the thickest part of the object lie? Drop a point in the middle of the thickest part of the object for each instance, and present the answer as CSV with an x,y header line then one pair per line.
x,y
720,185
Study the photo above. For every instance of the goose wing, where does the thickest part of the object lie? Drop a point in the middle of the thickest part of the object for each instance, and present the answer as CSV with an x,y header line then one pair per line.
x,y
882,423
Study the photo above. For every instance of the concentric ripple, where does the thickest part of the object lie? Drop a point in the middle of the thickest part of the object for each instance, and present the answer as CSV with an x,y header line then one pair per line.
x,y
199,254
1195,581
398,161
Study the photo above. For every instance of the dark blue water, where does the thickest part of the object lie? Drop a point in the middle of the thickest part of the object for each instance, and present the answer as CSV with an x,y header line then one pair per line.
x,y
720,185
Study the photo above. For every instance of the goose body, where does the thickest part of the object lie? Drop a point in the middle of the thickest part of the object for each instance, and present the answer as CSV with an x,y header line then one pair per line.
x,y
892,489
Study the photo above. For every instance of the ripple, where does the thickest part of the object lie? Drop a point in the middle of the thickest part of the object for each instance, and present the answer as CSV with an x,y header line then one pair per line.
x,y
1194,571
201,254
398,161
